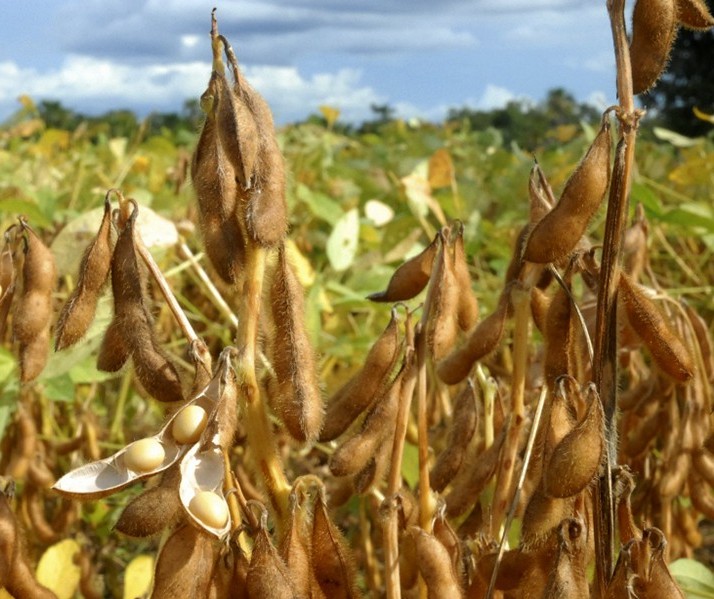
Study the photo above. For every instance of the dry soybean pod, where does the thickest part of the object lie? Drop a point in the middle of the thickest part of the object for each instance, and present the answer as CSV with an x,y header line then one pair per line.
x,y
113,352
694,14
185,564
152,366
467,313
354,453
575,460
568,580
361,390
333,563
295,547
435,567
539,193
214,181
154,509
410,278
555,235
266,208
463,426
442,323
79,309
39,277
237,129
268,576
482,340
558,336
654,28
666,348
297,398
33,356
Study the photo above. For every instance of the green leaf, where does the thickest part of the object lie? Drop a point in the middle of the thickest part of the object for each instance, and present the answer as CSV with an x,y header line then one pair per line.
x,y
320,205
695,578
343,241
690,216
644,195
676,139
410,464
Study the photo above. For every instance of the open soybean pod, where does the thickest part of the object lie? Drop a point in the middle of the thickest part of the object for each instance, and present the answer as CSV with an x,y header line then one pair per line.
x,y
297,398
694,14
463,426
654,28
185,565
357,394
666,348
555,235
332,561
654,578
574,461
540,194
411,277
435,566
481,341
141,458
78,311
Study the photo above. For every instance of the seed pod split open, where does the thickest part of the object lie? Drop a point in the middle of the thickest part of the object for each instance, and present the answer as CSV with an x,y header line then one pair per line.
x,y
104,477
297,398
666,348
654,28
78,312
581,197
410,278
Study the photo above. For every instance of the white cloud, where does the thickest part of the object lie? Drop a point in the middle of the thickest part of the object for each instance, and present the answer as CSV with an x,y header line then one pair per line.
x,y
494,96
87,82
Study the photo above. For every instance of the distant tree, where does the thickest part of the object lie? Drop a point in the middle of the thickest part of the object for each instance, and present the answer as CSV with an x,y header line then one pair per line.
x,y
383,114
57,116
688,82
529,125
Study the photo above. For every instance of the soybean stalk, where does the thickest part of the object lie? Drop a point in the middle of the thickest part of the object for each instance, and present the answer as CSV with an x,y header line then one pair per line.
x,y
605,342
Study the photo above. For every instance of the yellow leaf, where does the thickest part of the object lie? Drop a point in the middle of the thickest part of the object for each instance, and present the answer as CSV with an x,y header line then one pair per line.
x,y
27,102
331,114
57,570
441,169
138,577
303,269
703,115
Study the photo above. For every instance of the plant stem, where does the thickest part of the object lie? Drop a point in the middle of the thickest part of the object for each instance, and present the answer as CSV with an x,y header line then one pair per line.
x,y
390,521
520,298
257,423
605,342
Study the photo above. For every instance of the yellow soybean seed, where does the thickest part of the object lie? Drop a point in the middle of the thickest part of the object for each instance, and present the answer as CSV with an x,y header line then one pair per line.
x,y
144,455
210,508
188,424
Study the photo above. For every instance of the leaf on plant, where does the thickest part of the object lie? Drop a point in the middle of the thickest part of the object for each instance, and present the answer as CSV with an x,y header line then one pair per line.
x,y
378,212
709,118
57,571
138,576
330,114
441,169
676,139
693,576
342,243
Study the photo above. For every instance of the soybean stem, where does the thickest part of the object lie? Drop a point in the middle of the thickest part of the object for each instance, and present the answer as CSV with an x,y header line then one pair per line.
x,y
260,433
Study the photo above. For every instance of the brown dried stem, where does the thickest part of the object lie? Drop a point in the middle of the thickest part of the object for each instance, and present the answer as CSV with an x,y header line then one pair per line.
x,y
520,299
605,358
390,505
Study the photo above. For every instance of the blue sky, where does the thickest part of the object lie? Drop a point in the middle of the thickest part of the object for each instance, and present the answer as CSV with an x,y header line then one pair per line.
x,y
420,56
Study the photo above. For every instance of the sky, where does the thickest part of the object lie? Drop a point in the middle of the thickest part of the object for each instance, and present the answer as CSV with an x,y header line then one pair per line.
x,y
420,57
